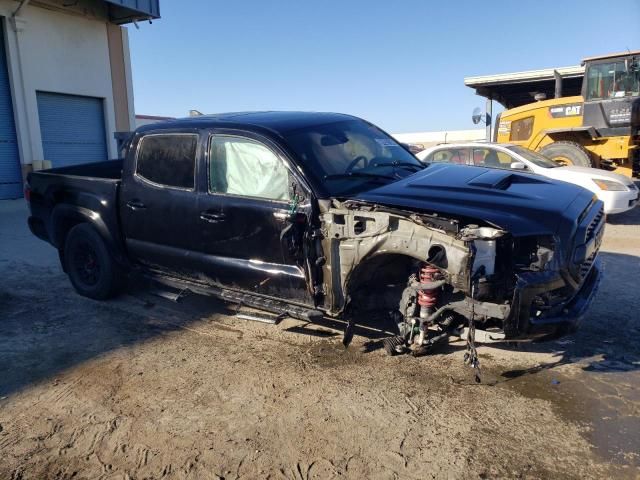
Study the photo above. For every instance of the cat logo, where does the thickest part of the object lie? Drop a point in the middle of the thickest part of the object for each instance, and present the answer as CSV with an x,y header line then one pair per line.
x,y
572,110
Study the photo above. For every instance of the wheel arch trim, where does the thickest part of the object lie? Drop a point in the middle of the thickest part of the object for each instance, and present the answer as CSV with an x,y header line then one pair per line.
x,y
64,217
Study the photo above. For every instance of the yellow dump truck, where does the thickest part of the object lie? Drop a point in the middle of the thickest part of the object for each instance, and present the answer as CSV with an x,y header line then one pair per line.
x,y
587,115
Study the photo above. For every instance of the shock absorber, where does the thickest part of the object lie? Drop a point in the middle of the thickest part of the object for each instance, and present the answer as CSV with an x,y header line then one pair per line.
x,y
428,298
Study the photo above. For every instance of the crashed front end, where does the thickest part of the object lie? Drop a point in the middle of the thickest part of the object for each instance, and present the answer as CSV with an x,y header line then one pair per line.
x,y
439,277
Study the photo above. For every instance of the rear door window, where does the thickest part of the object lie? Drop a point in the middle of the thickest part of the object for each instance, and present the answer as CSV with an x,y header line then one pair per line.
x,y
168,159
488,157
454,155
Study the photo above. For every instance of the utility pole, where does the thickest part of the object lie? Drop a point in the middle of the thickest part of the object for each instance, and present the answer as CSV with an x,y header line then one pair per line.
x,y
488,118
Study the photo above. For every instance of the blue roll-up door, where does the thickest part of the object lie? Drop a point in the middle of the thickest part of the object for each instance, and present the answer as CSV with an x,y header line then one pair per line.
x,y
10,171
72,129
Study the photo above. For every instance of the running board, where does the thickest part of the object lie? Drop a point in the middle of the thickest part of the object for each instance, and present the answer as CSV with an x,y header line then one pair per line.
x,y
262,318
272,305
172,295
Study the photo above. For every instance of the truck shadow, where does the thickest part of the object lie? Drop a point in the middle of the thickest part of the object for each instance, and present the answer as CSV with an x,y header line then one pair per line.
x,y
46,328
606,340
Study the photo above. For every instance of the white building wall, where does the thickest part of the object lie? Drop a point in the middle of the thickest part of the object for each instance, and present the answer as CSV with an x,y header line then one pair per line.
x,y
58,52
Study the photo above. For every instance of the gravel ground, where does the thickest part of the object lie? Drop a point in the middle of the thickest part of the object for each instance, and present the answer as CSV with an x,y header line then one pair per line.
x,y
140,387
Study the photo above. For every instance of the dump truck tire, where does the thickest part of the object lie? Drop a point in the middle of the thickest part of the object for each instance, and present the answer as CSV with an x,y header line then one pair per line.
x,y
567,153
90,266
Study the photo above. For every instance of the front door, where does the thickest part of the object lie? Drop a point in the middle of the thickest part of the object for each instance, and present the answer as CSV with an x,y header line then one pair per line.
x,y
250,232
158,202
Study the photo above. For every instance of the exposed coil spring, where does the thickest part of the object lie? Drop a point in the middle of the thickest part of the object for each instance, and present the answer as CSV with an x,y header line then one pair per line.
x,y
428,297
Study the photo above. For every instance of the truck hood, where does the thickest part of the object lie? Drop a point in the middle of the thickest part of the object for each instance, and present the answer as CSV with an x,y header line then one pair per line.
x,y
523,204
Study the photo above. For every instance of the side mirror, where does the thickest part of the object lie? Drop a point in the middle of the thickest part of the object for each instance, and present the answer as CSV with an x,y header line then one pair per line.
x,y
476,115
518,166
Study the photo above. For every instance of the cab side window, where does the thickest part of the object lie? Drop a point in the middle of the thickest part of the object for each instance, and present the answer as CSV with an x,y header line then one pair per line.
x,y
521,129
245,167
168,159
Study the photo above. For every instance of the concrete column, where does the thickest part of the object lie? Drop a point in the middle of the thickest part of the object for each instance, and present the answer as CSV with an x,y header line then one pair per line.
x,y
118,77
13,28
489,118
128,76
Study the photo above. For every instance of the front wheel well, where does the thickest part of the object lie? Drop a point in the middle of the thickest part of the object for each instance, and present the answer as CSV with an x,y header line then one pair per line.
x,y
377,283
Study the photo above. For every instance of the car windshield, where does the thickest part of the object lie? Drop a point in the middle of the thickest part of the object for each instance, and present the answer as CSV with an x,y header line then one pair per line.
x,y
534,157
351,156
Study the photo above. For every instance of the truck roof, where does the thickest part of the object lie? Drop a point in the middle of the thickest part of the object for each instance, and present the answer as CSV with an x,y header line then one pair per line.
x,y
274,121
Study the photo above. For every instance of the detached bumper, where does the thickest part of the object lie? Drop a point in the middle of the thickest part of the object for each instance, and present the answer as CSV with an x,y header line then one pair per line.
x,y
527,321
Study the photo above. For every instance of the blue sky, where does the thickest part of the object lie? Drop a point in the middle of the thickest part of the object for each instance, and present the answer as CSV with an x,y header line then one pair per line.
x,y
399,64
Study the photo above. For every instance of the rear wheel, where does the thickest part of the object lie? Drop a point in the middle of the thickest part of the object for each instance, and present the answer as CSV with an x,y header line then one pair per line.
x,y
91,269
567,153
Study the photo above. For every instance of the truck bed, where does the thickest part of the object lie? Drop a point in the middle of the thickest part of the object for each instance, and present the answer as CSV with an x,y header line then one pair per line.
x,y
111,170
81,189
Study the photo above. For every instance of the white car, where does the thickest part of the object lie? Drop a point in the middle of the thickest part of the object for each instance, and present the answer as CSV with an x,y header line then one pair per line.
x,y
618,192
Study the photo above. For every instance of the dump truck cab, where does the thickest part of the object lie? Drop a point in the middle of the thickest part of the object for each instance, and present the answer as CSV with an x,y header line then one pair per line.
x,y
587,115
611,92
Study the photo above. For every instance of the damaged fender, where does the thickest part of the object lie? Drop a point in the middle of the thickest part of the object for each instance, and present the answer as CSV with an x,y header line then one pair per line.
x,y
352,237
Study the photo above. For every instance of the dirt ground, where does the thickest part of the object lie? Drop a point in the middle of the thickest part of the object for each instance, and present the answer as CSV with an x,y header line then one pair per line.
x,y
142,388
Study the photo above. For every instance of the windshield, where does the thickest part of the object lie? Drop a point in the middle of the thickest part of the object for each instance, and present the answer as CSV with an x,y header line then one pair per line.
x,y
534,157
613,79
351,156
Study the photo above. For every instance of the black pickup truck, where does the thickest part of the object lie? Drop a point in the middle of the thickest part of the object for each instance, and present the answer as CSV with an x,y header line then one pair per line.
x,y
321,214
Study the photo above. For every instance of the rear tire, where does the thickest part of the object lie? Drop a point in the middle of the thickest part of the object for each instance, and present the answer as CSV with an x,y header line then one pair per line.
x,y
567,153
90,266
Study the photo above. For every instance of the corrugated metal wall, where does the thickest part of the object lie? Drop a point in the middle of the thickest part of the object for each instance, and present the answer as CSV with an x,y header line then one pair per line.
x,y
10,171
72,129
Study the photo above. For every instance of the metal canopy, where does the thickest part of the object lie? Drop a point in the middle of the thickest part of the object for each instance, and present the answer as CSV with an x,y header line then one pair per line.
x,y
127,11
519,88
612,56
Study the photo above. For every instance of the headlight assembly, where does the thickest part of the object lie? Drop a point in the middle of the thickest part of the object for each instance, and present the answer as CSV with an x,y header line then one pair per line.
x,y
609,185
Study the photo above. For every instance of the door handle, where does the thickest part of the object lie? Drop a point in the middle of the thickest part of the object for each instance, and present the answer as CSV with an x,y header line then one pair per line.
x,y
136,205
212,217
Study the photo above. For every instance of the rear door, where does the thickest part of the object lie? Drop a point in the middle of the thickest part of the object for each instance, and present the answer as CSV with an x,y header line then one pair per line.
x,y
158,201
250,225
